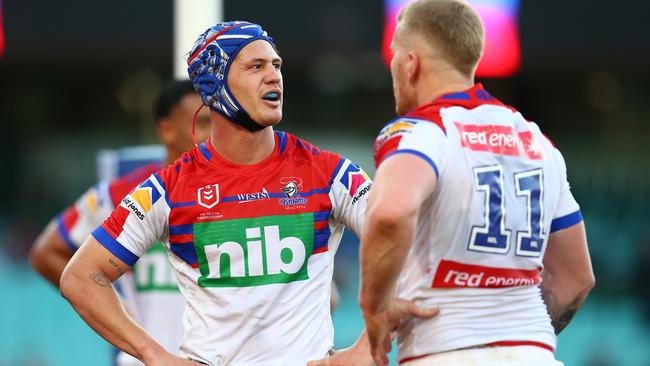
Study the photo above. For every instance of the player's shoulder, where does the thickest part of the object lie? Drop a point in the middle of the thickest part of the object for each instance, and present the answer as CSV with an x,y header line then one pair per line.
x,y
299,148
427,115
121,186
190,162
332,166
415,128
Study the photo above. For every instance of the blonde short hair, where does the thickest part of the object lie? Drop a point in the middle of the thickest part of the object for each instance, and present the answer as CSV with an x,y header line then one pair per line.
x,y
451,25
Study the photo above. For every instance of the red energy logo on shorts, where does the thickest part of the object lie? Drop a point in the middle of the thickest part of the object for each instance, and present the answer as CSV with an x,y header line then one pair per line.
x,y
452,274
502,140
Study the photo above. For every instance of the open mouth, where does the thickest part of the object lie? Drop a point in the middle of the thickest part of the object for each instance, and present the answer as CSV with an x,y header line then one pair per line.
x,y
272,96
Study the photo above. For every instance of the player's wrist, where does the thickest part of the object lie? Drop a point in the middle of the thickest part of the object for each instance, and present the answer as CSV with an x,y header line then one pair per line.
x,y
151,352
372,305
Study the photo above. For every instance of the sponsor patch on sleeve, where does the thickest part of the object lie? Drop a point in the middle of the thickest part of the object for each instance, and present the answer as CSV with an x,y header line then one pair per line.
x,y
142,199
356,181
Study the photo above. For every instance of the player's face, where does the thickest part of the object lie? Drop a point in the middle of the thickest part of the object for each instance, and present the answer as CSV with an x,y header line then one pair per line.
x,y
256,82
402,90
180,120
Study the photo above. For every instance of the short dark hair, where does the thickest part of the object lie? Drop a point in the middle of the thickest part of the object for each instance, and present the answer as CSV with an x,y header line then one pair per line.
x,y
169,97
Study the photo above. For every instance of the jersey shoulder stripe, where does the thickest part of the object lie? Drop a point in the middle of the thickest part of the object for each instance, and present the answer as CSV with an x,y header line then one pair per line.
x,y
64,223
113,246
566,221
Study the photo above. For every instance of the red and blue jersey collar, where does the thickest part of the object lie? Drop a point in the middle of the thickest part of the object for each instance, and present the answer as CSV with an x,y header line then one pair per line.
x,y
470,98
210,154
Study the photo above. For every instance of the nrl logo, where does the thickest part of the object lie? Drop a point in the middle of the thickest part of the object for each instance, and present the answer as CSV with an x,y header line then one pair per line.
x,y
208,196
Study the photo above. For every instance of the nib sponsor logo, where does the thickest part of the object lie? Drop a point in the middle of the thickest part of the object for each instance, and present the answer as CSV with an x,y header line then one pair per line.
x,y
254,252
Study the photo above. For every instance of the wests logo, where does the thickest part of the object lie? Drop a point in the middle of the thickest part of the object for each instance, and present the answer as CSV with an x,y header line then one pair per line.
x,y
250,197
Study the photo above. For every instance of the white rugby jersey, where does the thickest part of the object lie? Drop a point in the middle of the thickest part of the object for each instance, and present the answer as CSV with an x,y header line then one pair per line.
x,y
502,190
150,291
252,246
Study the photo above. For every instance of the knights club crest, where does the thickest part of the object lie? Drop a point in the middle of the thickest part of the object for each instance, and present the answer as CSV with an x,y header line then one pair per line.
x,y
208,196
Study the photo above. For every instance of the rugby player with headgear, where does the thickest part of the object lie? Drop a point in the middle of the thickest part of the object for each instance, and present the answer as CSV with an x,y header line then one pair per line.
x,y
252,218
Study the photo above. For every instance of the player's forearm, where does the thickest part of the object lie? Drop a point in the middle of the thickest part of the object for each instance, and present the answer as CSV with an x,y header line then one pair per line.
x,y
92,295
384,248
563,298
49,265
49,254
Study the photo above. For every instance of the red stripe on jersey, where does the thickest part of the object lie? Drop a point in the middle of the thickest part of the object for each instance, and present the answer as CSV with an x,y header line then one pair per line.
x,y
521,343
181,238
114,224
494,344
383,148
320,250
452,274
320,225
70,217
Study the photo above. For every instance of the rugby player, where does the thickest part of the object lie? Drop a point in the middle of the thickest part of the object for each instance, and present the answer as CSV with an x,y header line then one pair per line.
x,y
252,218
471,211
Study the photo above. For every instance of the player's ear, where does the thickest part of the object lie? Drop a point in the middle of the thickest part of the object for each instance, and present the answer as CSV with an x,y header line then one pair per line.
x,y
413,65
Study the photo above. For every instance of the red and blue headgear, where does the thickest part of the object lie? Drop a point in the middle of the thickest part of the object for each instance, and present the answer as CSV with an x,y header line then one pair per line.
x,y
209,63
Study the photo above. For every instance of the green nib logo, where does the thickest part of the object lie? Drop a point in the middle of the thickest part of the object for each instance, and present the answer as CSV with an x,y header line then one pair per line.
x,y
254,252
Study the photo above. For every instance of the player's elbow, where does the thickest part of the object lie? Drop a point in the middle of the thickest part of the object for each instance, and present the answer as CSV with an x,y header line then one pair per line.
x,y
69,283
584,280
38,256
390,215
589,281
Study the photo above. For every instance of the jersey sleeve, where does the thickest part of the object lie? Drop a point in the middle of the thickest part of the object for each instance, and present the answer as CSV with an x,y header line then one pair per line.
x,y
567,212
407,135
77,222
349,194
138,222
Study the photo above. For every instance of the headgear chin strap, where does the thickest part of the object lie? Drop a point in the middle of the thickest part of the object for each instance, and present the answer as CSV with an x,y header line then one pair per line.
x,y
210,61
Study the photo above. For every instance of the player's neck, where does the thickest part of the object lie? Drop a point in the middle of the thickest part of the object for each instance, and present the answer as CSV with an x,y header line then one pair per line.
x,y
434,85
240,146
171,156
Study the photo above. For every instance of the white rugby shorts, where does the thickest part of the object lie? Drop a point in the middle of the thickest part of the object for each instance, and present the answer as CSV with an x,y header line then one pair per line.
x,y
490,356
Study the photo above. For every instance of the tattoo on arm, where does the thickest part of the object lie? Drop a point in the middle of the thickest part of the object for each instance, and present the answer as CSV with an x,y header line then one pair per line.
x,y
100,279
563,319
560,318
116,265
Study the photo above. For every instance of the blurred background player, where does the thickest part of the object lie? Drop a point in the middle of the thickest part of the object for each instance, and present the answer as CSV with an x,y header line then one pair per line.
x,y
150,291
487,205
